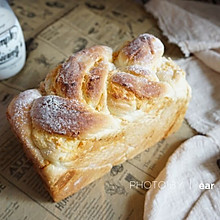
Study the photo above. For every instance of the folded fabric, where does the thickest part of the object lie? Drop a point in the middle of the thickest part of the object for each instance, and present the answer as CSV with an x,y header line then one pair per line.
x,y
210,58
193,26
203,113
210,198
190,175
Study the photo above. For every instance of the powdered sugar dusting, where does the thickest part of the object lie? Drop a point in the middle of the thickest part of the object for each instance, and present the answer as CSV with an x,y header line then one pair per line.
x,y
140,86
21,108
156,44
62,116
141,47
144,50
142,71
72,72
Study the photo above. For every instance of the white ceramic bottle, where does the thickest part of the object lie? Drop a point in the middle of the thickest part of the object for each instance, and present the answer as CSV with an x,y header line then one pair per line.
x,y
12,46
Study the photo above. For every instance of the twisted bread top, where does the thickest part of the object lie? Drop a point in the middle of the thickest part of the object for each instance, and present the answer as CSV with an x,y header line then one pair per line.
x,y
84,94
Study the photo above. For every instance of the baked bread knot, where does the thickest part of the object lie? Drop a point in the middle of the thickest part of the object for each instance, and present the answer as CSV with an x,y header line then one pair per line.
x,y
98,109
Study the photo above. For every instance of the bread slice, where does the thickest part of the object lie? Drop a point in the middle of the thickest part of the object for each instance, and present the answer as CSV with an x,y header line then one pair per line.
x,y
97,110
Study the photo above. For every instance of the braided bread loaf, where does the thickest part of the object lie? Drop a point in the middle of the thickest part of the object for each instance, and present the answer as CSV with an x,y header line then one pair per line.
x,y
97,110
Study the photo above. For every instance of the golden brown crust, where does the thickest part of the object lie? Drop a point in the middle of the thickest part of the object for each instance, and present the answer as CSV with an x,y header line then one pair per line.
x,y
18,114
90,62
142,50
139,48
95,83
69,78
141,87
75,180
91,109
141,71
58,115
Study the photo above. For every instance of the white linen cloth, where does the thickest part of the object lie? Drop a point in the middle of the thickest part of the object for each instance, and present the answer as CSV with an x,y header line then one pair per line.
x,y
211,198
203,113
194,27
192,164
